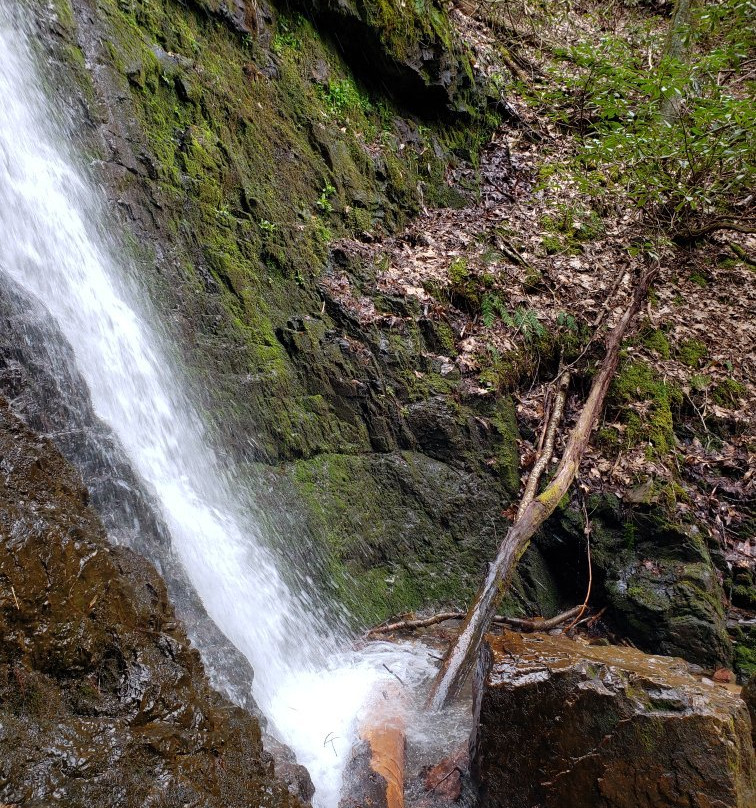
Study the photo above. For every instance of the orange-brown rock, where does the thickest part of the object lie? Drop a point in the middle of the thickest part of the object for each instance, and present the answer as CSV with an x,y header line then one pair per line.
x,y
374,776
567,725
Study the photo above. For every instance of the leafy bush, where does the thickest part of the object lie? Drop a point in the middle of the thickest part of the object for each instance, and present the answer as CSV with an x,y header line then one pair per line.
x,y
676,137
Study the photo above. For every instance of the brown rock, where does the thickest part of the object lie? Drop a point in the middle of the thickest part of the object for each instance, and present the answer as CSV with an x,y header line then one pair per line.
x,y
444,779
748,693
103,702
571,725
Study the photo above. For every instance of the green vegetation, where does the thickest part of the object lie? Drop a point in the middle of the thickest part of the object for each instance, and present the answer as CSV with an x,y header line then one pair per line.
x,y
669,128
342,95
691,352
525,321
656,340
728,392
650,421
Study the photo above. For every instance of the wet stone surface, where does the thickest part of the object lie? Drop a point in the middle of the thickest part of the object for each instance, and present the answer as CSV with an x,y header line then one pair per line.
x,y
102,699
572,725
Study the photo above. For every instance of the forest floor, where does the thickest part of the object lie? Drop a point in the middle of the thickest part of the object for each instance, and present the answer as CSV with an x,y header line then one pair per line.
x,y
529,276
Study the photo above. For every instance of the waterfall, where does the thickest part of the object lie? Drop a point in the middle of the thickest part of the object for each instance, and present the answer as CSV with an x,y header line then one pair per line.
x,y
54,245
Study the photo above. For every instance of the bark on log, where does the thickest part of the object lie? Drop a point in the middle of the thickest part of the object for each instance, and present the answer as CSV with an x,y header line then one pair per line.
x,y
460,658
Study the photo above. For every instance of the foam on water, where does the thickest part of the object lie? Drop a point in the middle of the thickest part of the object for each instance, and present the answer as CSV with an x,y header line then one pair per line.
x,y
54,243
319,710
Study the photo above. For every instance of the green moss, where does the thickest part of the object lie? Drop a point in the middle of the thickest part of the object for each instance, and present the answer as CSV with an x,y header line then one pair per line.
x,y
609,438
445,337
465,288
656,340
458,272
507,458
652,423
728,392
250,173
497,372
567,227
691,352
745,659
551,243
744,595
360,523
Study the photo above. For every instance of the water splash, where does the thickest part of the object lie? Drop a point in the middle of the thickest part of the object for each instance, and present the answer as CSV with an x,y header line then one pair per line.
x,y
54,244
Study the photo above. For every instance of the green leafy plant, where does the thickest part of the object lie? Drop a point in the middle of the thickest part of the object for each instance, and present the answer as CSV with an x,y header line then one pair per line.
x,y
343,95
676,139
525,321
491,306
324,200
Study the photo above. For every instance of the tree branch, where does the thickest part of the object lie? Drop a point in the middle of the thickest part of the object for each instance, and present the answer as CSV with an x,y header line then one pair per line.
x,y
462,654
524,624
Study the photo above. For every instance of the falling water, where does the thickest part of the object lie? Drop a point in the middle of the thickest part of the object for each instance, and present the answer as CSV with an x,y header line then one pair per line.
x,y
54,245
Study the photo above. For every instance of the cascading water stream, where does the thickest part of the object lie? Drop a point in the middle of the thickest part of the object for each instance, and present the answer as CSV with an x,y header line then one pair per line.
x,y
53,244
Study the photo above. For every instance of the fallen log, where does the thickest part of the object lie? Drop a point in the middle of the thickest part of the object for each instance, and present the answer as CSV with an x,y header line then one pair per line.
x,y
462,654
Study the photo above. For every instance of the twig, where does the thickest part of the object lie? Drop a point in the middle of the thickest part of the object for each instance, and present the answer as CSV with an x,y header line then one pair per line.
x,y
548,446
15,598
396,676
445,777
587,530
330,738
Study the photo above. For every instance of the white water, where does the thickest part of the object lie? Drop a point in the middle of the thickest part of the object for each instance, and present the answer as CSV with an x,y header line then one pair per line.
x,y
54,244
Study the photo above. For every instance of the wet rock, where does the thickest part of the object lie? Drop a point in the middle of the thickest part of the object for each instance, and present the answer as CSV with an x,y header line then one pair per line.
x,y
444,780
570,725
38,376
102,699
749,696
242,16
657,577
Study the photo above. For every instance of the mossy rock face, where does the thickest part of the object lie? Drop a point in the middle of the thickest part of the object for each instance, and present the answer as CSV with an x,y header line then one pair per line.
x,y
657,578
744,644
240,142
237,158
389,533
411,47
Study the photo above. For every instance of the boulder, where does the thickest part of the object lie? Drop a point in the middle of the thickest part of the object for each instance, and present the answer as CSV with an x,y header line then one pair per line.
x,y
565,724
655,575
